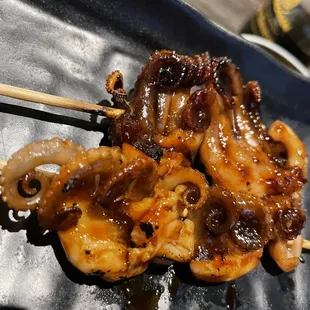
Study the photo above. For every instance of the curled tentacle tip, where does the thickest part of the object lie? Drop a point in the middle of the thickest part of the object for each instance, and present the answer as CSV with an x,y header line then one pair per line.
x,y
196,114
113,78
114,86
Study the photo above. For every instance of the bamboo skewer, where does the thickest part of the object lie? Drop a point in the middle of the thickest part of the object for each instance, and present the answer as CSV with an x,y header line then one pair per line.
x,y
305,243
56,101
2,163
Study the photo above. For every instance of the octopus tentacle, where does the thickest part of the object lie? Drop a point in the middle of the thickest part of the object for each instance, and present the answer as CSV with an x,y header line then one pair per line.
x,y
213,152
196,191
180,249
218,67
158,226
231,230
102,161
213,221
243,142
163,228
161,92
177,106
54,151
253,227
133,182
257,130
163,108
225,268
252,99
296,151
196,115
100,242
251,158
168,70
250,163
193,119
172,160
182,141
286,253
227,221
165,71
114,86
33,176
289,220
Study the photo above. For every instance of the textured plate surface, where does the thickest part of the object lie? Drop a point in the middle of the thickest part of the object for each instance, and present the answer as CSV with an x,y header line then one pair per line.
x,y
68,48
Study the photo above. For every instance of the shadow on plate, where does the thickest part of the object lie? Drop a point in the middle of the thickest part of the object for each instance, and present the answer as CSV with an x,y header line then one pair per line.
x,y
9,220
92,125
183,272
269,264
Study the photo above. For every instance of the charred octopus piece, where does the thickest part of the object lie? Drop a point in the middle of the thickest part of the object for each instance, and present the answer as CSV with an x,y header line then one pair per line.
x,y
154,119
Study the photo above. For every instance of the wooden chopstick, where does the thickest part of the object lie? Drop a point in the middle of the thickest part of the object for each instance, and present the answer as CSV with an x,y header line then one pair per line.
x,y
56,101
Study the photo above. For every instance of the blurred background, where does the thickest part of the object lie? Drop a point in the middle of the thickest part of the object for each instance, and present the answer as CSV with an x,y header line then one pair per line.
x,y
281,27
231,14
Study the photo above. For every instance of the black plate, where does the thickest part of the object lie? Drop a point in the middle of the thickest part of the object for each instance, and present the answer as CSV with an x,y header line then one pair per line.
x,y
68,47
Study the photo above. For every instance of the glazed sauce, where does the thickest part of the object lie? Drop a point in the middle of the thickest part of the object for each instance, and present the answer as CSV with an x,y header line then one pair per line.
x,y
137,296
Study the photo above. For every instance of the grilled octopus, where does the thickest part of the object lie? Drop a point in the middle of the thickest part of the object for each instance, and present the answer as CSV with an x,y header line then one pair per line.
x,y
118,209
163,113
240,154
238,151
115,210
132,211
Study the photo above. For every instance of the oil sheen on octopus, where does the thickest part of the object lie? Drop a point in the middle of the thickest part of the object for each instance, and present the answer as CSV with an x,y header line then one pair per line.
x,y
116,209
243,156
163,113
